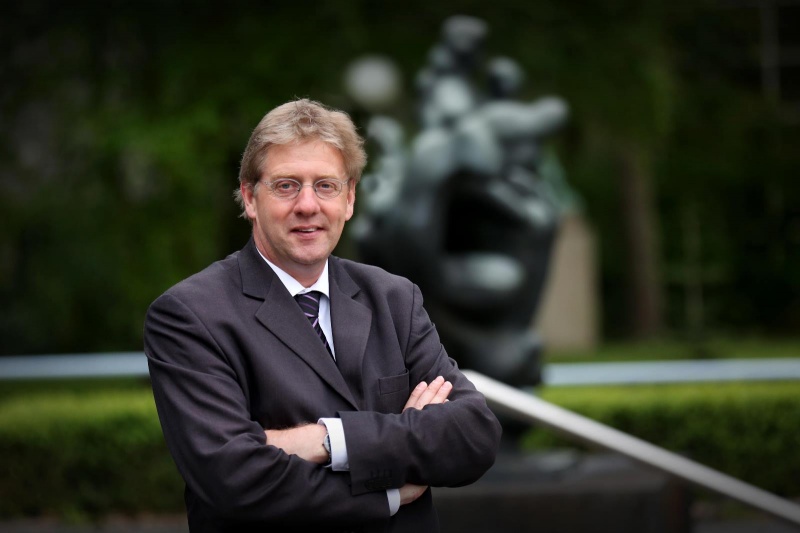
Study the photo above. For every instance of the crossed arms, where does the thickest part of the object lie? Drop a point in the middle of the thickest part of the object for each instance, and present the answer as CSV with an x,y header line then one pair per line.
x,y
305,441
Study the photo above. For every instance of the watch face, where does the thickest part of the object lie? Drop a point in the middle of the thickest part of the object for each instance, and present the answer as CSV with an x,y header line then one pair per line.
x,y
326,443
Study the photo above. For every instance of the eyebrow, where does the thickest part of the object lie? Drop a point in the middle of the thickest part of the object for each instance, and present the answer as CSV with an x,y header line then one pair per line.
x,y
294,177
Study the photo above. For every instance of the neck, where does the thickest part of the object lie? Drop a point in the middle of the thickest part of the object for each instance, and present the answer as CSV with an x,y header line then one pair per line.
x,y
305,275
305,279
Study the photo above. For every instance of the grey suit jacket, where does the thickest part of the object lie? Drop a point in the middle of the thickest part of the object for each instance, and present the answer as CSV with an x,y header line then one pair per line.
x,y
231,354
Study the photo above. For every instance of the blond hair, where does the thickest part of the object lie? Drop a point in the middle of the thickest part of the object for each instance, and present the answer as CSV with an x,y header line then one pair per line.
x,y
297,121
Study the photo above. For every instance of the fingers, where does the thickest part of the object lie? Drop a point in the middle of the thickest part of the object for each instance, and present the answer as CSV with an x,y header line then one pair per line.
x,y
415,395
429,392
436,392
443,392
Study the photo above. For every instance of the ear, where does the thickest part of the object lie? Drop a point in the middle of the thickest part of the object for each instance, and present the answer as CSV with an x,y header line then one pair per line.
x,y
248,195
351,199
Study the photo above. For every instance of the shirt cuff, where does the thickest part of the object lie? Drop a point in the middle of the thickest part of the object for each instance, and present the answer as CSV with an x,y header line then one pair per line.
x,y
339,458
394,500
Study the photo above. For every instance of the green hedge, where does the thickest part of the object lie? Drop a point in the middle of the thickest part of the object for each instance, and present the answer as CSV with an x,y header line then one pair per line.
x,y
747,430
82,454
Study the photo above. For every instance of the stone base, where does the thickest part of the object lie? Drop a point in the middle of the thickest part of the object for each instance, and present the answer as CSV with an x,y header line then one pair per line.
x,y
567,492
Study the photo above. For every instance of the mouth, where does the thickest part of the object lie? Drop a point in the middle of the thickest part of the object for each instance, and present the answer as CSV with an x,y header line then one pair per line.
x,y
307,230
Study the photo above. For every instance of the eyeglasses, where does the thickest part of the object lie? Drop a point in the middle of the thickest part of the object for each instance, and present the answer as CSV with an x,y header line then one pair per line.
x,y
289,189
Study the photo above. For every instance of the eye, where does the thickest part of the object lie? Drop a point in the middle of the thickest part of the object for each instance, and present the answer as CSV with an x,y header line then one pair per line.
x,y
284,185
325,186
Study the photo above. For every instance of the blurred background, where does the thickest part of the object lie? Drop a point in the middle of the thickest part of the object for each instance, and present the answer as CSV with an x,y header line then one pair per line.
x,y
122,124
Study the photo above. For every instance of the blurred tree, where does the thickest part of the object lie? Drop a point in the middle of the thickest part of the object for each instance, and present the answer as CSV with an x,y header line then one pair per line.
x,y
620,79
122,123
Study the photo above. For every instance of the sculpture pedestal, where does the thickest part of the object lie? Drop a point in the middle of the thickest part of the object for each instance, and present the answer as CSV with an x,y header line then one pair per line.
x,y
564,491
568,316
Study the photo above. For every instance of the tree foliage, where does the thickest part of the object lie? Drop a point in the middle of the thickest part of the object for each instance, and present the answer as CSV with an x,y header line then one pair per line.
x,y
122,124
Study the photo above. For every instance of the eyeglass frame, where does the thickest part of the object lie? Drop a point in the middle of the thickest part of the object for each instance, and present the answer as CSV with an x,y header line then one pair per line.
x,y
272,184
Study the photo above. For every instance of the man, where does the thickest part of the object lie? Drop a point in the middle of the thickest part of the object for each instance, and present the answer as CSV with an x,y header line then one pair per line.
x,y
282,374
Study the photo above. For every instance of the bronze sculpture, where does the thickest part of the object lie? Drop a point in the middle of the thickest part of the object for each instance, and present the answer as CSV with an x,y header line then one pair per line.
x,y
470,210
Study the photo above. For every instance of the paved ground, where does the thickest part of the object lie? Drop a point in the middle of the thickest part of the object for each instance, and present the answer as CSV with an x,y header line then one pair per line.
x,y
744,526
162,524
155,524
177,524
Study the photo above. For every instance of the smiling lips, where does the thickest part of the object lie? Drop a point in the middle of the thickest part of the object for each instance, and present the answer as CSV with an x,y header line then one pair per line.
x,y
306,230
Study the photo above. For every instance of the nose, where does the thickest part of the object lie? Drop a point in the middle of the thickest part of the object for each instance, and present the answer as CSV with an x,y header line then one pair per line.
x,y
307,202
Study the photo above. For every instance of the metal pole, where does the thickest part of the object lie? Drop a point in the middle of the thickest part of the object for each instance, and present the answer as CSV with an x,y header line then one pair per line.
x,y
531,409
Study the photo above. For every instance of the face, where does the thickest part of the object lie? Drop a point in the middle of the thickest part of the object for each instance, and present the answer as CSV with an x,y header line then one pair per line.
x,y
298,235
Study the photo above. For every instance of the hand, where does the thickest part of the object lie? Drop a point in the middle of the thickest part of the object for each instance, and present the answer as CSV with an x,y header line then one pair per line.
x,y
424,394
302,441
409,493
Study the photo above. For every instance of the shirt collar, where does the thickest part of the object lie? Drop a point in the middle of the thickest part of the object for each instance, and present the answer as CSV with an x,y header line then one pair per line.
x,y
295,287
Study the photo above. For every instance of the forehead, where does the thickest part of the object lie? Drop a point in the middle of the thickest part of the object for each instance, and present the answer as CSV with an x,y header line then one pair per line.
x,y
306,159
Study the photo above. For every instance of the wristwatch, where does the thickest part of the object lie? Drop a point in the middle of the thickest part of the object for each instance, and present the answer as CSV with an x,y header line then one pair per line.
x,y
326,443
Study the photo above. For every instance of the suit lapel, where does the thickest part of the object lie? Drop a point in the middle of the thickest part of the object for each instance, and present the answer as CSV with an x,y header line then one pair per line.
x,y
281,315
351,323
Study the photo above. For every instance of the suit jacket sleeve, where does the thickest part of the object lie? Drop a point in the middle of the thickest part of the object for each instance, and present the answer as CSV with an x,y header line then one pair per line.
x,y
219,450
448,444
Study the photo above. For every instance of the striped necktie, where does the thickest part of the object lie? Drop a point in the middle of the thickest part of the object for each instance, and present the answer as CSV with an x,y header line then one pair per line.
x,y
309,303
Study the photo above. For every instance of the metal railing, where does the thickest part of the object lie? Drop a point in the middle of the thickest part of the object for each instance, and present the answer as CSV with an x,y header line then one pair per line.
x,y
528,408
76,365
134,364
